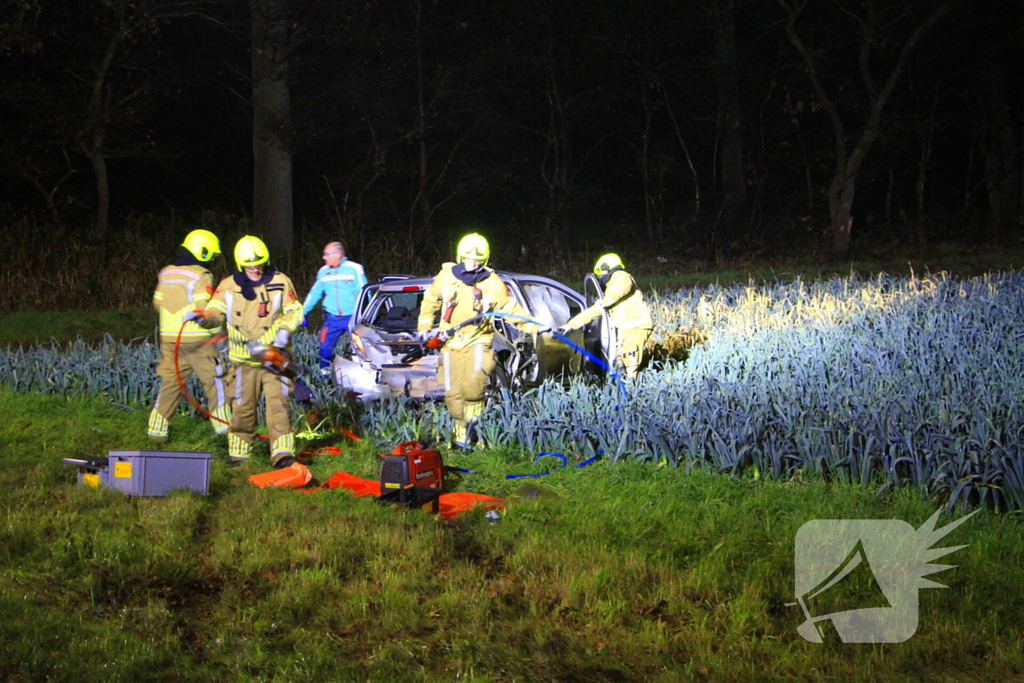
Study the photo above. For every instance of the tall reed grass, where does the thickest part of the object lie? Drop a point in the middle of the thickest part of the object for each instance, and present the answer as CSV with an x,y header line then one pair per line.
x,y
885,383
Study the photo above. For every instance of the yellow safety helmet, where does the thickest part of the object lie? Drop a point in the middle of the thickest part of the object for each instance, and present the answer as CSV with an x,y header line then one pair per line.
x,y
606,263
475,247
203,244
250,251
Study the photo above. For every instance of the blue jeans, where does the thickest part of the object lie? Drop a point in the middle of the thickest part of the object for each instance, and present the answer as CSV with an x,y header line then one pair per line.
x,y
334,325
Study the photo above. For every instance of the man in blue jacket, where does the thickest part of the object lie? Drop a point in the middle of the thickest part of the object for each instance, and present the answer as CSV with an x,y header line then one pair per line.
x,y
338,284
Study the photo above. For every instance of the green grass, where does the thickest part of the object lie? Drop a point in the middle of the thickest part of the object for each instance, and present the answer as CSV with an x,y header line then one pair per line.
x,y
67,326
626,572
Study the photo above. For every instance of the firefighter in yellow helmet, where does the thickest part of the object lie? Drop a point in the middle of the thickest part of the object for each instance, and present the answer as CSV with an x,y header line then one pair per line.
x,y
627,310
184,286
461,292
260,308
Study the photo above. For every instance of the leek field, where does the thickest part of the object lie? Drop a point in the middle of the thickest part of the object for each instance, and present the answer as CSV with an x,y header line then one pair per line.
x,y
670,557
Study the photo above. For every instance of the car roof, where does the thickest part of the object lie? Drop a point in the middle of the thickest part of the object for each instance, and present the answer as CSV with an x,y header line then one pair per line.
x,y
395,283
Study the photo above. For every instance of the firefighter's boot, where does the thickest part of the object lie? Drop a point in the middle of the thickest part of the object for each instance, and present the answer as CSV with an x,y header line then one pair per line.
x,y
280,448
158,427
465,433
238,449
460,438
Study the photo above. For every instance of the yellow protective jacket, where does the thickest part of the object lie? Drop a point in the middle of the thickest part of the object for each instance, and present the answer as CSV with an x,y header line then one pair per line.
x,y
624,302
180,289
274,307
464,301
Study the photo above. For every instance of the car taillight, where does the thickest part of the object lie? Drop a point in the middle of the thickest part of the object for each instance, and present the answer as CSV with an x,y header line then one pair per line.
x,y
357,340
411,288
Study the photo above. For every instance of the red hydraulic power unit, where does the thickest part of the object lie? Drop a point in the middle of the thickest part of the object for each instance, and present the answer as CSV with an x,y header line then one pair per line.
x,y
411,475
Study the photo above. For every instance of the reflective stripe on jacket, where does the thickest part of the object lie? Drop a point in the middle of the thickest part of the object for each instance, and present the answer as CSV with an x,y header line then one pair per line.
x,y
180,289
339,287
447,291
624,302
276,301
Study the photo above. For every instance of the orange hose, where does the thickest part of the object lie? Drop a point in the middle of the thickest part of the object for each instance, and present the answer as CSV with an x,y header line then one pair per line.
x,y
195,404
184,391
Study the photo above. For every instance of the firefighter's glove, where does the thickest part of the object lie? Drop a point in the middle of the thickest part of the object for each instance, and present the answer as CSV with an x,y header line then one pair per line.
x,y
195,316
282,338
564,330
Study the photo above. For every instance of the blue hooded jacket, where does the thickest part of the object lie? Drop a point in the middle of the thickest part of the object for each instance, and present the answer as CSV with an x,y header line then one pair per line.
x,y
338,287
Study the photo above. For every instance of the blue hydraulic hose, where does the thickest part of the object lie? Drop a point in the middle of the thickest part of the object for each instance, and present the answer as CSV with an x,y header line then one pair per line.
x,y
585,353
615,375
568,341
537,457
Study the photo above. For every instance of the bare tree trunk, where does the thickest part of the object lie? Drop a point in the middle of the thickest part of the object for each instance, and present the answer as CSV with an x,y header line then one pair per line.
x,y
924,163
555,167
49,195
99,167
686,151
653,220
889,187
844,181
92,138
1002,169
734,184
272,128
421,209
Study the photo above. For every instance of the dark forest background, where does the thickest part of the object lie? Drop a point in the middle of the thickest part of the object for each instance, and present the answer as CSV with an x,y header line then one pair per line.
x,y
702,129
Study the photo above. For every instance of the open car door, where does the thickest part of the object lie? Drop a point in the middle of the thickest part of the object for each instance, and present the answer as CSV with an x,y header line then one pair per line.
x,y
552,305
364,298
599,334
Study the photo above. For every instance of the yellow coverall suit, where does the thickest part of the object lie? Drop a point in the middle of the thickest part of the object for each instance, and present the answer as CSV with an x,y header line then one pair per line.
x,y
467,360
180,289
273,307
629,316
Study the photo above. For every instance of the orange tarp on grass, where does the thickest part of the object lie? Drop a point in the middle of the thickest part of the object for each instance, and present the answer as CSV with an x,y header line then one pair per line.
x,y
449,504
291,477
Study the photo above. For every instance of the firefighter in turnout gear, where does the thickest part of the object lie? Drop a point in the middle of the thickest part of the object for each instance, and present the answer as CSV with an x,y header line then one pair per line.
x,y
460,292
627,310
183,286
259,307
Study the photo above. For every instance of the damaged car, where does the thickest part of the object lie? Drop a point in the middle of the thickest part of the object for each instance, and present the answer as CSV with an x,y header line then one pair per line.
x,y
383,356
